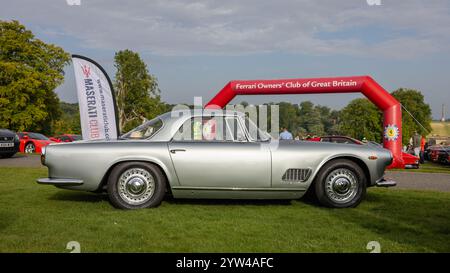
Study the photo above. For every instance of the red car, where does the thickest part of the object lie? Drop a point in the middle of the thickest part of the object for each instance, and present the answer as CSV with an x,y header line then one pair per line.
x,y
440,154
66,138
411,161
32,142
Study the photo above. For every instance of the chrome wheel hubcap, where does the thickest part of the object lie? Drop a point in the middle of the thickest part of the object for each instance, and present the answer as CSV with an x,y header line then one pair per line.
x,y
136,186
29,149
341,185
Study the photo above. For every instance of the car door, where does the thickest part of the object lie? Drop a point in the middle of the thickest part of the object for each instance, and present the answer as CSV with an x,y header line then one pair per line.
x,y
217,154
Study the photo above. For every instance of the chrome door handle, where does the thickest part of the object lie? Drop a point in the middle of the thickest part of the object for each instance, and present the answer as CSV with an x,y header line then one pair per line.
x,y
177,150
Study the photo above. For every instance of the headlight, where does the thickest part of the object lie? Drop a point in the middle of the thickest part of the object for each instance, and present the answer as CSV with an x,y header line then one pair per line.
x,y
43,155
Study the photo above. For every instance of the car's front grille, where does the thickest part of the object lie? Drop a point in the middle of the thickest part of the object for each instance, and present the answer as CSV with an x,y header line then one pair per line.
x,y
2,138
296,175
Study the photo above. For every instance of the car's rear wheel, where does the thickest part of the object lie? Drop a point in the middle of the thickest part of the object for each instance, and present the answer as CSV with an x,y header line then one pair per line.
x,y
135,185
30,148
340,184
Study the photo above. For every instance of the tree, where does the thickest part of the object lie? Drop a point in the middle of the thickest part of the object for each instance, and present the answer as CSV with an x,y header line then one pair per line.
x,y
329,119
137,92
289,116
30,70
69,122
311,119
413,101
361,118
306,118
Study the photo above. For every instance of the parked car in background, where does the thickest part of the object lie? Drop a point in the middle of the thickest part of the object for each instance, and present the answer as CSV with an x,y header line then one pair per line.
x,y
66,138
411,161
214,155
337,139
32,142
440,154
9,143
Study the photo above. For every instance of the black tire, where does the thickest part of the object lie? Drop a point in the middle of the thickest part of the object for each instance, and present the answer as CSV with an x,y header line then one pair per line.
x,y
347,172
116,196
30,148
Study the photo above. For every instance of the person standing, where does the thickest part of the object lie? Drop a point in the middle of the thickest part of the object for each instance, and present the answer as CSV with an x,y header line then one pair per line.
x,y
285,134
416,143
423,141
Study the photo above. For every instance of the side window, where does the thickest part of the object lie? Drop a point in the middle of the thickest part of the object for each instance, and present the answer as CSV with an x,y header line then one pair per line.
x,y
340,140
234,129
201,129
210,129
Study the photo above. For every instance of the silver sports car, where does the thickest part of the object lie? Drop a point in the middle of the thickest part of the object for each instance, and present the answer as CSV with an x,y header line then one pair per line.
x,y
214,155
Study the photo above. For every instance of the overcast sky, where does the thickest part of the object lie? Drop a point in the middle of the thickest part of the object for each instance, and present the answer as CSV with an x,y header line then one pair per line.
x,y
195,47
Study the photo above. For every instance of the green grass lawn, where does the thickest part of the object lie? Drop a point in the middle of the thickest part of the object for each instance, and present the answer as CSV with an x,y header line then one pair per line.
x,y
36,218
427,167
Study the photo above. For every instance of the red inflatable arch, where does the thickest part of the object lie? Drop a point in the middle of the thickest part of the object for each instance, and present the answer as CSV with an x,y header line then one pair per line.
x,y
392,138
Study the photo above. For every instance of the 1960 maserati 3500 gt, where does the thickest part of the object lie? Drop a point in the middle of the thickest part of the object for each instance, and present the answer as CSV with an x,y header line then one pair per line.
x,y
221,155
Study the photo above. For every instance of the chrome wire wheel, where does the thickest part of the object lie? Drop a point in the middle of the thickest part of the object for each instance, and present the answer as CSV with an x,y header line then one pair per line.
x,y
136,186
341,185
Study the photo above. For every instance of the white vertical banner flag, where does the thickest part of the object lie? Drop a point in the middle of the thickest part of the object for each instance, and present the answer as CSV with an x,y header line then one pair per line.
x,y
95,99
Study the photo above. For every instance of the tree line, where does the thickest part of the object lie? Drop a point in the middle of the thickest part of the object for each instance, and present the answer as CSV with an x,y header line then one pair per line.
x,y
30,70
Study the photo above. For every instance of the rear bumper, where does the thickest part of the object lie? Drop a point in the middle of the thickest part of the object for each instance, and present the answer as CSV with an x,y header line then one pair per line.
x,y
385,183
60,181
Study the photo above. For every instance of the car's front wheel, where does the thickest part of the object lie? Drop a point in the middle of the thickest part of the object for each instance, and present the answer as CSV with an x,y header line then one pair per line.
x,y
340,184
30,148
136,185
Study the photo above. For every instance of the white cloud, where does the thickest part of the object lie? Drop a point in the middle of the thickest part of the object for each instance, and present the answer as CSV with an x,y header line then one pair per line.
x,y
236,27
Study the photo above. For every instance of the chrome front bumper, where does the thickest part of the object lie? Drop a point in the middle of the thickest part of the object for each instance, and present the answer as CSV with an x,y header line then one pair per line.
x,y
60,181
385,183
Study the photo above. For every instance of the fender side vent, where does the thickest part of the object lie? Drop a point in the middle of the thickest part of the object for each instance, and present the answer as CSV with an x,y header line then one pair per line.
x,y
296,175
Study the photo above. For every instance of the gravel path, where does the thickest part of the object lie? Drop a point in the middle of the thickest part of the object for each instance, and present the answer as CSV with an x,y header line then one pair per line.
x,y
21,160
405,180
421,181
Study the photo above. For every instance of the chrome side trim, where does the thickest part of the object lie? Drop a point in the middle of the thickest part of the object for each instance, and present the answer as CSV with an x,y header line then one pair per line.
x,y
235,189
60,181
